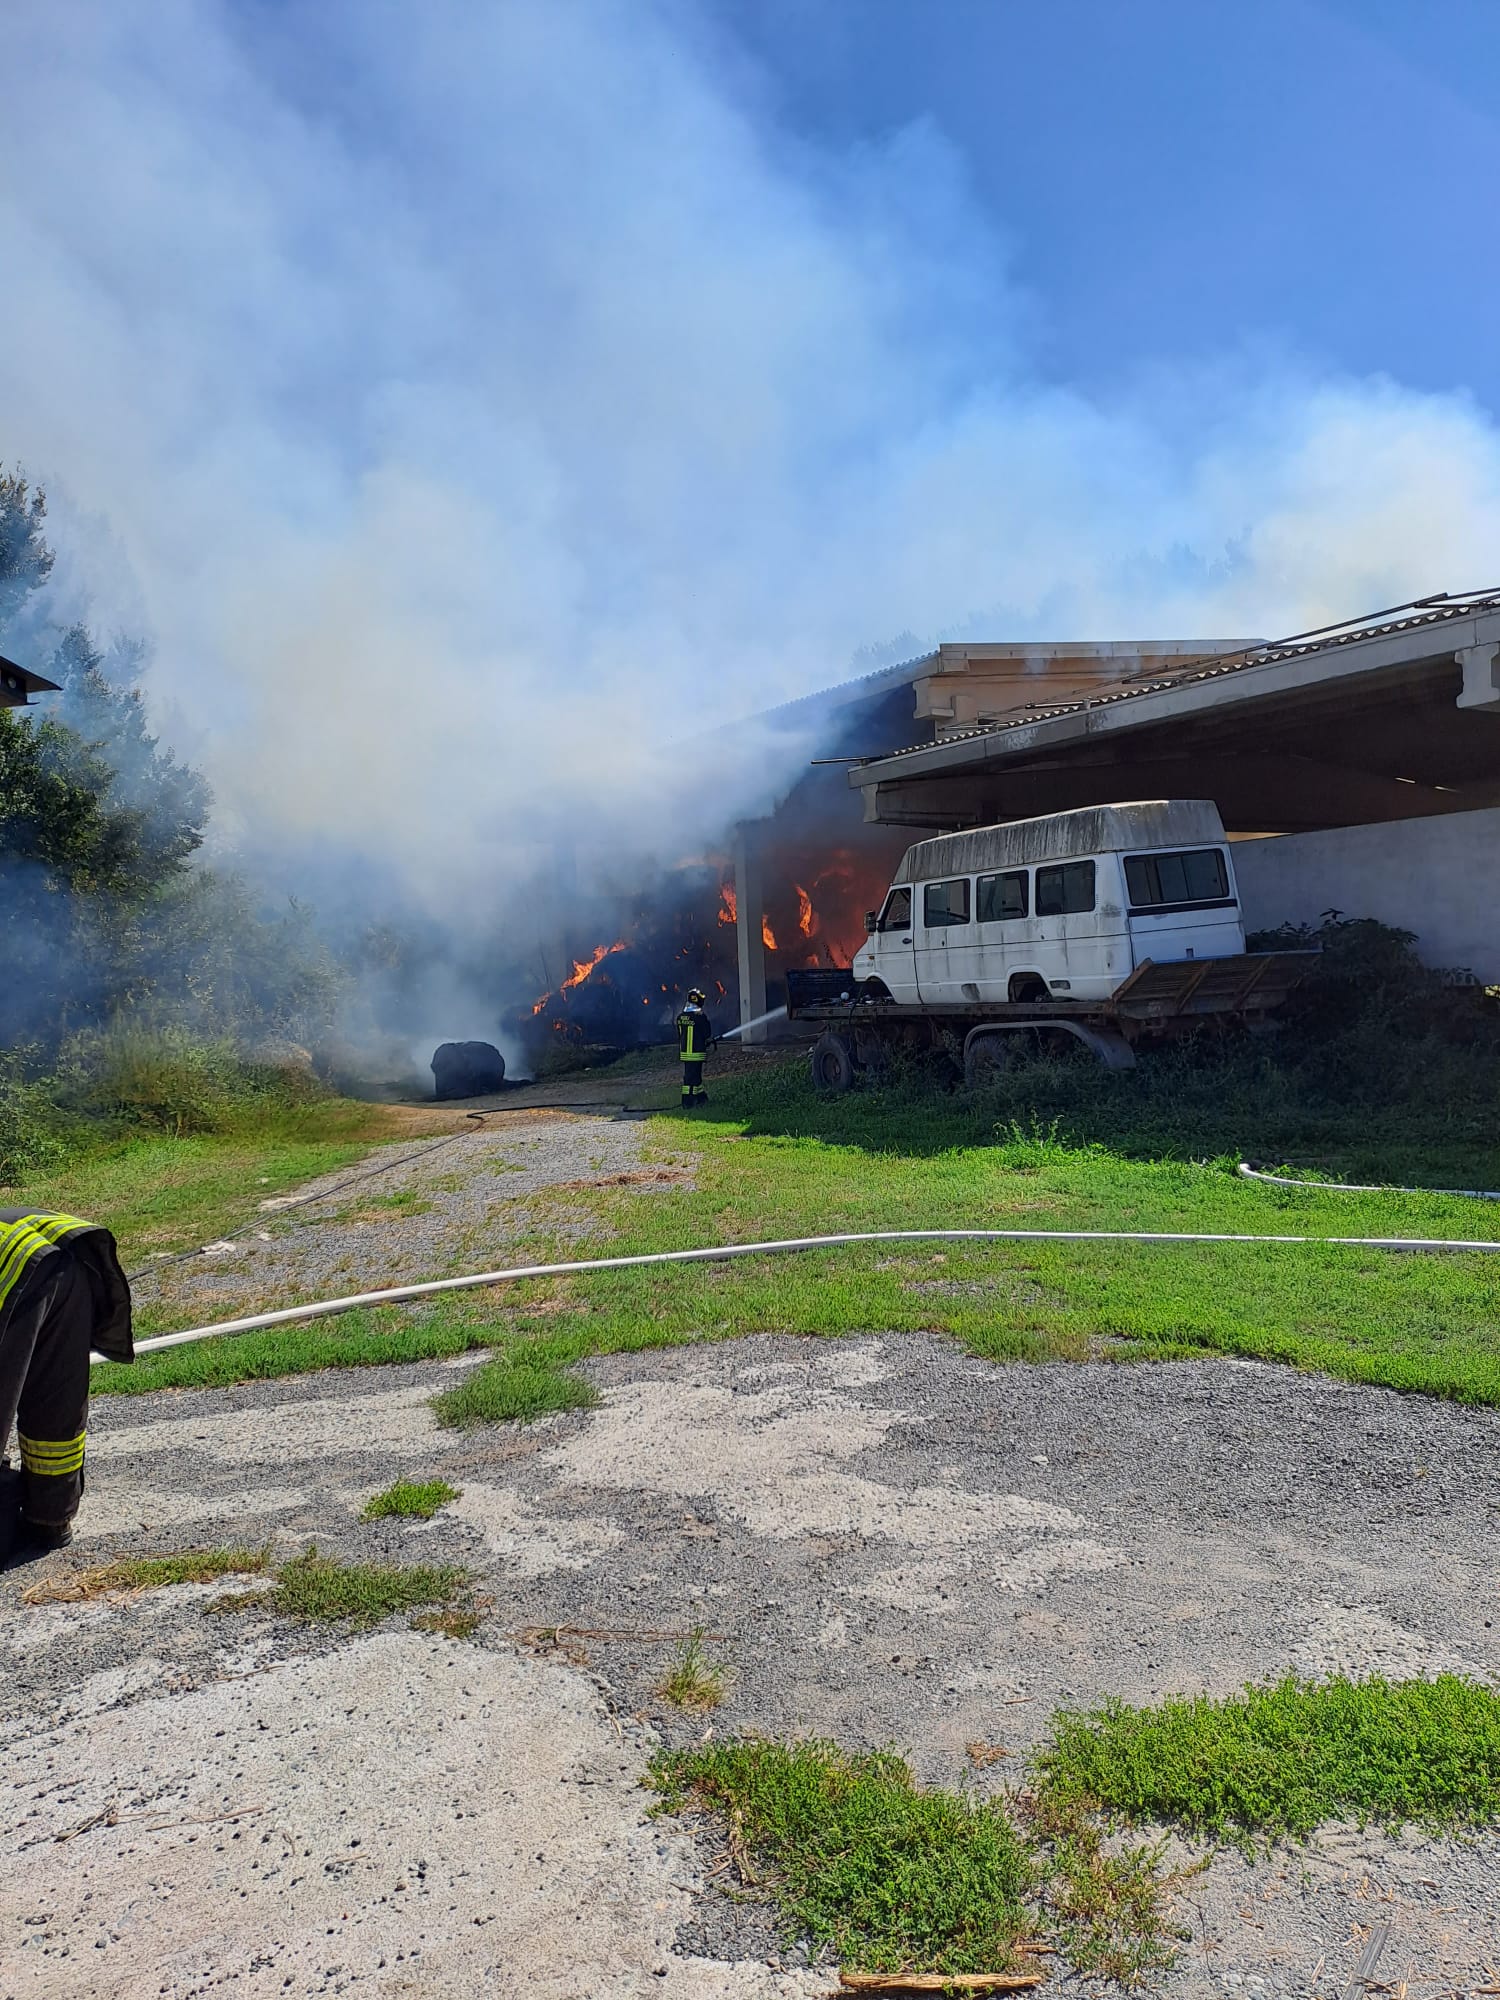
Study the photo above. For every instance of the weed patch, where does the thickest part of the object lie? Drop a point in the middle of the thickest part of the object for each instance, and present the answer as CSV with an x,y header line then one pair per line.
x,y
416,1499
512,1389
868,1868
693,1681
322,1590
1284,1760
131,1575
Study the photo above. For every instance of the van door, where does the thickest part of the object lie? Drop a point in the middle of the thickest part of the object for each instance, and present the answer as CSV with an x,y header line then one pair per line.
x,y
891,949
1066,929
1002,911
942,930
1182,903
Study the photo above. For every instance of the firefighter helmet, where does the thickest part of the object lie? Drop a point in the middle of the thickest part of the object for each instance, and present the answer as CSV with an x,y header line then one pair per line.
x,y
697,997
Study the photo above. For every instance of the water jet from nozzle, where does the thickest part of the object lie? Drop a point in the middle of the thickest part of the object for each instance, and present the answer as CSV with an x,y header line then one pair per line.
x,y
775,1014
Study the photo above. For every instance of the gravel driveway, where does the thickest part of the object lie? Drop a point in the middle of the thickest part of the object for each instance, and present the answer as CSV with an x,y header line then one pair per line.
x,y
898,1544
448,1205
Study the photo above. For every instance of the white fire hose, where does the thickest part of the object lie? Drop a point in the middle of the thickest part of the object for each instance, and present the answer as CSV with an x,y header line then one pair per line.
x,y
723,1252
1360,1187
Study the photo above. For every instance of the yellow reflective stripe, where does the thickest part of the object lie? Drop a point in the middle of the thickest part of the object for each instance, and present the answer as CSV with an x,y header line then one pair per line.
x,y
692,1055
55,1226
19,1242
52,1460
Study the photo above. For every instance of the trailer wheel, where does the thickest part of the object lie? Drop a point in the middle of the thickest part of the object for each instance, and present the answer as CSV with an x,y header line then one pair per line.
x,y
832,1064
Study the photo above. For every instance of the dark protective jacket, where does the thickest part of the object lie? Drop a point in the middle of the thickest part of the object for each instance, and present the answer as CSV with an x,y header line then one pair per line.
x,y
62,1292
695,1035
31,1243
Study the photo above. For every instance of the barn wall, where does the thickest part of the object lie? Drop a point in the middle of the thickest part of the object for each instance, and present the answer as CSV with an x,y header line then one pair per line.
x,y
1438,877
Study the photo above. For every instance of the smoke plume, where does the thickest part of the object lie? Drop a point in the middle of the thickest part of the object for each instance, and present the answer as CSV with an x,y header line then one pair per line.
x,y
476,404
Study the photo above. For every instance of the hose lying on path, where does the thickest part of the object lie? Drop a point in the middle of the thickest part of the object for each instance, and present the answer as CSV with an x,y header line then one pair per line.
x,y
723,1252
1250,1173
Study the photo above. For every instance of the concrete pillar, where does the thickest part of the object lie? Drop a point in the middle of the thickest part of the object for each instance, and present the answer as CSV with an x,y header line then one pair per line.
x,y
752,948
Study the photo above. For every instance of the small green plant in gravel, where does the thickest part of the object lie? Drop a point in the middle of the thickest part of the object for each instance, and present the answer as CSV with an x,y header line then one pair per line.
x,y
418,1499
321,1589
693,1681
1285,1759
130,1574
1107,1899
514,1388
864,1865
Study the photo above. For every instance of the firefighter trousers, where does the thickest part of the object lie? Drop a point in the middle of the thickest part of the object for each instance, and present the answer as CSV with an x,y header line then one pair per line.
x,y
44,1387
692,1081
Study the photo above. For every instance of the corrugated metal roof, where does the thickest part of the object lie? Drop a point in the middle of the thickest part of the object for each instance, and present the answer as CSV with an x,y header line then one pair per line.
x,y
1423,612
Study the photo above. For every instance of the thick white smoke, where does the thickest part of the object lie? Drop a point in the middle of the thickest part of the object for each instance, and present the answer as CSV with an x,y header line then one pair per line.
x,y
471,400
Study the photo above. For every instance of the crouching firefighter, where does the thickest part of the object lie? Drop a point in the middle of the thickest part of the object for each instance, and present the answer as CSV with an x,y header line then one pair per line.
x,y
62,1294
695,1037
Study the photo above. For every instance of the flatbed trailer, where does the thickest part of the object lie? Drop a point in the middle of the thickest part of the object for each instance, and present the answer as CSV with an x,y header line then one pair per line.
x,y
1155,1004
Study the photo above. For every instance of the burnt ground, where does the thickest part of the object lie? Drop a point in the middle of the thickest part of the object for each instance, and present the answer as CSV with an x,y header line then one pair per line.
x,y
898,1544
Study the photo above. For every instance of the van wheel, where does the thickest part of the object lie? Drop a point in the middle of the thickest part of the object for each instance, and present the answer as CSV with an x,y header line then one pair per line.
x,y
1028,987
832,1064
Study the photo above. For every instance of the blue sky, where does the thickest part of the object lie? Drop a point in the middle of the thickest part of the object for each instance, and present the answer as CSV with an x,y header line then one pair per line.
x,y
1175,175
442,386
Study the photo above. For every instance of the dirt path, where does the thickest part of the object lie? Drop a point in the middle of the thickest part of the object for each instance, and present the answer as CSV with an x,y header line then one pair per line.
x,y
898,1543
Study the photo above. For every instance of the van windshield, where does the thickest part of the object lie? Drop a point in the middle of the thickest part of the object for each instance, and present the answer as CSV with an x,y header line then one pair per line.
x,y
897,913
1176,880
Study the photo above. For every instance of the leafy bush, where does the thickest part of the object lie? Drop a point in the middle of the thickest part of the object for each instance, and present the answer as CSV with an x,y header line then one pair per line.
x,y
34,1132
166,1080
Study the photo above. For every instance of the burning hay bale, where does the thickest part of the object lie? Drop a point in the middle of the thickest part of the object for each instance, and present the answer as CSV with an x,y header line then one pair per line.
x,y
467,1069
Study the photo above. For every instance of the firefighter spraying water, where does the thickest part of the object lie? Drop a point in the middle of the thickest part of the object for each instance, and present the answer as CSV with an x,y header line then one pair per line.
x,y
695,1037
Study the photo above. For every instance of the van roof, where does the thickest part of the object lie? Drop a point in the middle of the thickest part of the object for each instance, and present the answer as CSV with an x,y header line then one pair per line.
x,y
1019,843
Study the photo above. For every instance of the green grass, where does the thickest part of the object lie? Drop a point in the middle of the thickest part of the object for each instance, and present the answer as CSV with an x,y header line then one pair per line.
x,y
888,1877
693,1681
773,1161
161,1193
416,1499
512,1390
1284,1760
130,1574
885,1877
323,1590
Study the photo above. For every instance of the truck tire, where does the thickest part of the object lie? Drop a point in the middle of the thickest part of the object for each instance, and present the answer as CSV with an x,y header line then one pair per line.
x,y
832,1064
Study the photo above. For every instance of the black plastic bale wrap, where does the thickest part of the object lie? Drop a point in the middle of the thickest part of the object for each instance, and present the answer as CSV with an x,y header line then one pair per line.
x,y
467,1069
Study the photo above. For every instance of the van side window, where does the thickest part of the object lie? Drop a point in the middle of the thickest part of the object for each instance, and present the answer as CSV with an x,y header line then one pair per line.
x,y
897,913
945,903
1066,890
1002,898
1199,877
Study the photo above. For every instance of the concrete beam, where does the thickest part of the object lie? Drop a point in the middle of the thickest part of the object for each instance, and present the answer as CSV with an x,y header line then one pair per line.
x,y
1481,688
1186,701
749,903
1273,792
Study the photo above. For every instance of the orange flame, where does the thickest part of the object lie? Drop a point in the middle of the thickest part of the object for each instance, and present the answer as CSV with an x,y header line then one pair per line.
x,y
729,908
767,935
807,916
582,967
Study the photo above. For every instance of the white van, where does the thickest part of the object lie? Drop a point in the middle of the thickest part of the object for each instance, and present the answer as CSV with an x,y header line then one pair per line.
x,y
1066,906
